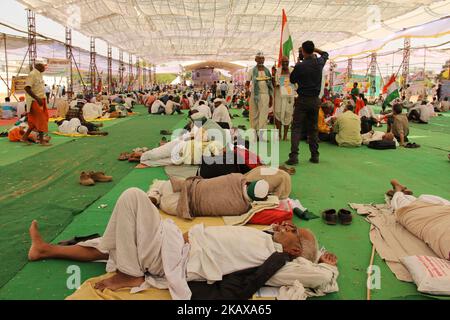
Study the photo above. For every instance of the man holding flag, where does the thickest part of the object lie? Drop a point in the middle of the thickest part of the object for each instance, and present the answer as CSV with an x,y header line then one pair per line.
x,y
284,94
391,91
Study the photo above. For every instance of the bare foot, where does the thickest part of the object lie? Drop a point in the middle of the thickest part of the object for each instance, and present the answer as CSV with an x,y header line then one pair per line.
x,y
400,188
397,186
142,166
119,281
38,247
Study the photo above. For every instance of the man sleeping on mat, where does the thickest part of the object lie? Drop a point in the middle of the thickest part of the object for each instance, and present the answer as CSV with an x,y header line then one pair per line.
x,y
146,251
427,217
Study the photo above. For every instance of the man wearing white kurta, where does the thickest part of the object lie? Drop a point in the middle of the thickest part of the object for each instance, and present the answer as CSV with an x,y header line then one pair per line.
x,y
285,93
221,114
261,99
146,251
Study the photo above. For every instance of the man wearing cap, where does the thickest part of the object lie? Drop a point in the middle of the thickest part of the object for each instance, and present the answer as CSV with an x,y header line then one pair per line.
x,y
261,99
36,104
221,114
198,197
307,75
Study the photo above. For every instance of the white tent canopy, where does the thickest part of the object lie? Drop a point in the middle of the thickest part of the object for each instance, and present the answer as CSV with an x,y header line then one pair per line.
x,y
230,30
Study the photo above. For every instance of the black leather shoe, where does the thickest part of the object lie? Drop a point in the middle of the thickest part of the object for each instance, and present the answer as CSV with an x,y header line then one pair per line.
x,y
330,217
314,160
345,217
292,162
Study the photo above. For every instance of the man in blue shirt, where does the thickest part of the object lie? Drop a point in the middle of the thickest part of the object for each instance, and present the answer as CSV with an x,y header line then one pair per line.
x,y
307,75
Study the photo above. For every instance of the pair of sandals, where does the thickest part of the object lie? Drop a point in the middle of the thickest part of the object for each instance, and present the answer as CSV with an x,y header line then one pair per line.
x,y
130,157
343,216
412,145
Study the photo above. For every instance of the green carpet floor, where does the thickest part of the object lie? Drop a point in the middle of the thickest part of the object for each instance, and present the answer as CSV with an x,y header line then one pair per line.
x,y
45,187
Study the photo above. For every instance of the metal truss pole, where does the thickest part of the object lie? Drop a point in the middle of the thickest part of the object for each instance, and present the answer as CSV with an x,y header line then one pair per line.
x,y
92,65
32,48
406,58
373,74
121,69
110,69
332,71
69,57
130,72
349,69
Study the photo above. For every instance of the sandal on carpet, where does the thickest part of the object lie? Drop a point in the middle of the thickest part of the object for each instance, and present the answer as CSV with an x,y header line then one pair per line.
x,y
412,145
330,217
345,217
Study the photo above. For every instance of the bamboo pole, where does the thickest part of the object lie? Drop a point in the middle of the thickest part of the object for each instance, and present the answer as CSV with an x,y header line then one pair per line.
x,y
369,272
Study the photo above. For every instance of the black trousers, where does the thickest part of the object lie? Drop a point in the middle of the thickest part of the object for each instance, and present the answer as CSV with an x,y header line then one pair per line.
x,y
306,114
324,136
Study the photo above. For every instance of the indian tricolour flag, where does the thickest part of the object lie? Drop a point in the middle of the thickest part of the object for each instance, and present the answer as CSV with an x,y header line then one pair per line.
x,y
286,44
391,91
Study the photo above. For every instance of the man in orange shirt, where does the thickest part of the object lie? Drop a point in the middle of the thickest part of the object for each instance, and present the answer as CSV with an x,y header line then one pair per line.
x,y
325,111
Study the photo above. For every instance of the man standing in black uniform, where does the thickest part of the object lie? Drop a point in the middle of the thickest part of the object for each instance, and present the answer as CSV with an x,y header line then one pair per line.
x,y
307,75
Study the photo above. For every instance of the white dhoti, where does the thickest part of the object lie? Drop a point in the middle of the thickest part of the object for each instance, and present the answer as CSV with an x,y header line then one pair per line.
x,y
400,200
284,108
140,243
259,112
162,156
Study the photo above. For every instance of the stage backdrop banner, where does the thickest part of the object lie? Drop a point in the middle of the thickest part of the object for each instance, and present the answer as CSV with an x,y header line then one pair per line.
x,y
57,67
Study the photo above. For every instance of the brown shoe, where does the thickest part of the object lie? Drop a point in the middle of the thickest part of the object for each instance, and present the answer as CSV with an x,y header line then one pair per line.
x,y
100,177
345,217
86,180
330,217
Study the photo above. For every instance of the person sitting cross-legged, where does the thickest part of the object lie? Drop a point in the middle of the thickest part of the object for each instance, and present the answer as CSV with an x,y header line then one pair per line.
x,y
347,129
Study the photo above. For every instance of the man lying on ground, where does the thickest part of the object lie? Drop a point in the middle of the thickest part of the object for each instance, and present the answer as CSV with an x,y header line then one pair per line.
x,y
198,197
427,217
204,137
76,114
147,251
16,134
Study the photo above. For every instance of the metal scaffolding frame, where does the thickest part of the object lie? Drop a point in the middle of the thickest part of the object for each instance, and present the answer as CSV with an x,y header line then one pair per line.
x,y
92,65
349,69
144,75
121,69
373,73
32,47
333,66
130,72
69,57
406,58
138,73
110,80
